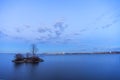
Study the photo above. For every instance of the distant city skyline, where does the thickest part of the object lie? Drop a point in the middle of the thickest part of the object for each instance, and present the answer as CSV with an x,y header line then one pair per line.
x,y
59,25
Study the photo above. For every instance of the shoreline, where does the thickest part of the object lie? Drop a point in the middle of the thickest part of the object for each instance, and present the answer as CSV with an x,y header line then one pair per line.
x,y
74,53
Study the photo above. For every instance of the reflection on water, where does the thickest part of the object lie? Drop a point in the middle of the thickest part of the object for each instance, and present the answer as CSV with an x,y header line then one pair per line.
x,y
16,65
73,67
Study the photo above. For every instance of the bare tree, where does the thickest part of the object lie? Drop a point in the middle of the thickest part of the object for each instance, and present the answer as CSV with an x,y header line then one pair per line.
x,y
34,49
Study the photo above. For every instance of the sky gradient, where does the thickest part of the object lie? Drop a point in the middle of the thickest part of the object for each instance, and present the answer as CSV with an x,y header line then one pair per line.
x,y
59,25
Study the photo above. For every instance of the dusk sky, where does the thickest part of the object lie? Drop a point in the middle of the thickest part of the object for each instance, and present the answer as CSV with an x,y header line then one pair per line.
x,y
59,25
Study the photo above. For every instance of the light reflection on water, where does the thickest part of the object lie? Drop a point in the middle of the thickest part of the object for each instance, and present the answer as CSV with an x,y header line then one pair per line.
x,y
69,67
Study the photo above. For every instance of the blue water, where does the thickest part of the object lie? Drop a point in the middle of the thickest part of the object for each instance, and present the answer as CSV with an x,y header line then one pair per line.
x,y
68,67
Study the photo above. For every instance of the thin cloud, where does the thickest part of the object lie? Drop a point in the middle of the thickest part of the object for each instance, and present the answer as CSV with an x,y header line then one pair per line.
x,y
44,30
40,30
82,30
60,25
18,30
3,34
47,34
112,23
27,26
97,23
59,28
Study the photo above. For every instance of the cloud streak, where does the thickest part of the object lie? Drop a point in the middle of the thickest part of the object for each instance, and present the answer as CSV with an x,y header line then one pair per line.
x,y
2,34
36,34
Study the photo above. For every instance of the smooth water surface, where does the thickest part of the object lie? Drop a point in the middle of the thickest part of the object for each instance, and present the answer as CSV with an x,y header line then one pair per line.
x,y
63,67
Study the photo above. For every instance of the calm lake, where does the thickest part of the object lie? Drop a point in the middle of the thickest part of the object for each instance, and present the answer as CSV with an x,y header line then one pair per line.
x,y
63,67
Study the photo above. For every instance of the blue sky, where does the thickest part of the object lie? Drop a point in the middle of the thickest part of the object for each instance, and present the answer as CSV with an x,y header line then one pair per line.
x,y
59,25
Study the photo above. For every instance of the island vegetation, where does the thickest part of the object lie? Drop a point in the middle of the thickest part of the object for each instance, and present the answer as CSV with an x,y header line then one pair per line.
x,y
29,58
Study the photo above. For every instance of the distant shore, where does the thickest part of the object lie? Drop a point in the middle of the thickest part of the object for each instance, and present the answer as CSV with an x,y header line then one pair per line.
x,y
79,53
73,53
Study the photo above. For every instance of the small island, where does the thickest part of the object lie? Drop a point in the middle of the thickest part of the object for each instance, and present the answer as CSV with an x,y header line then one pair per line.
x,y
33,58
